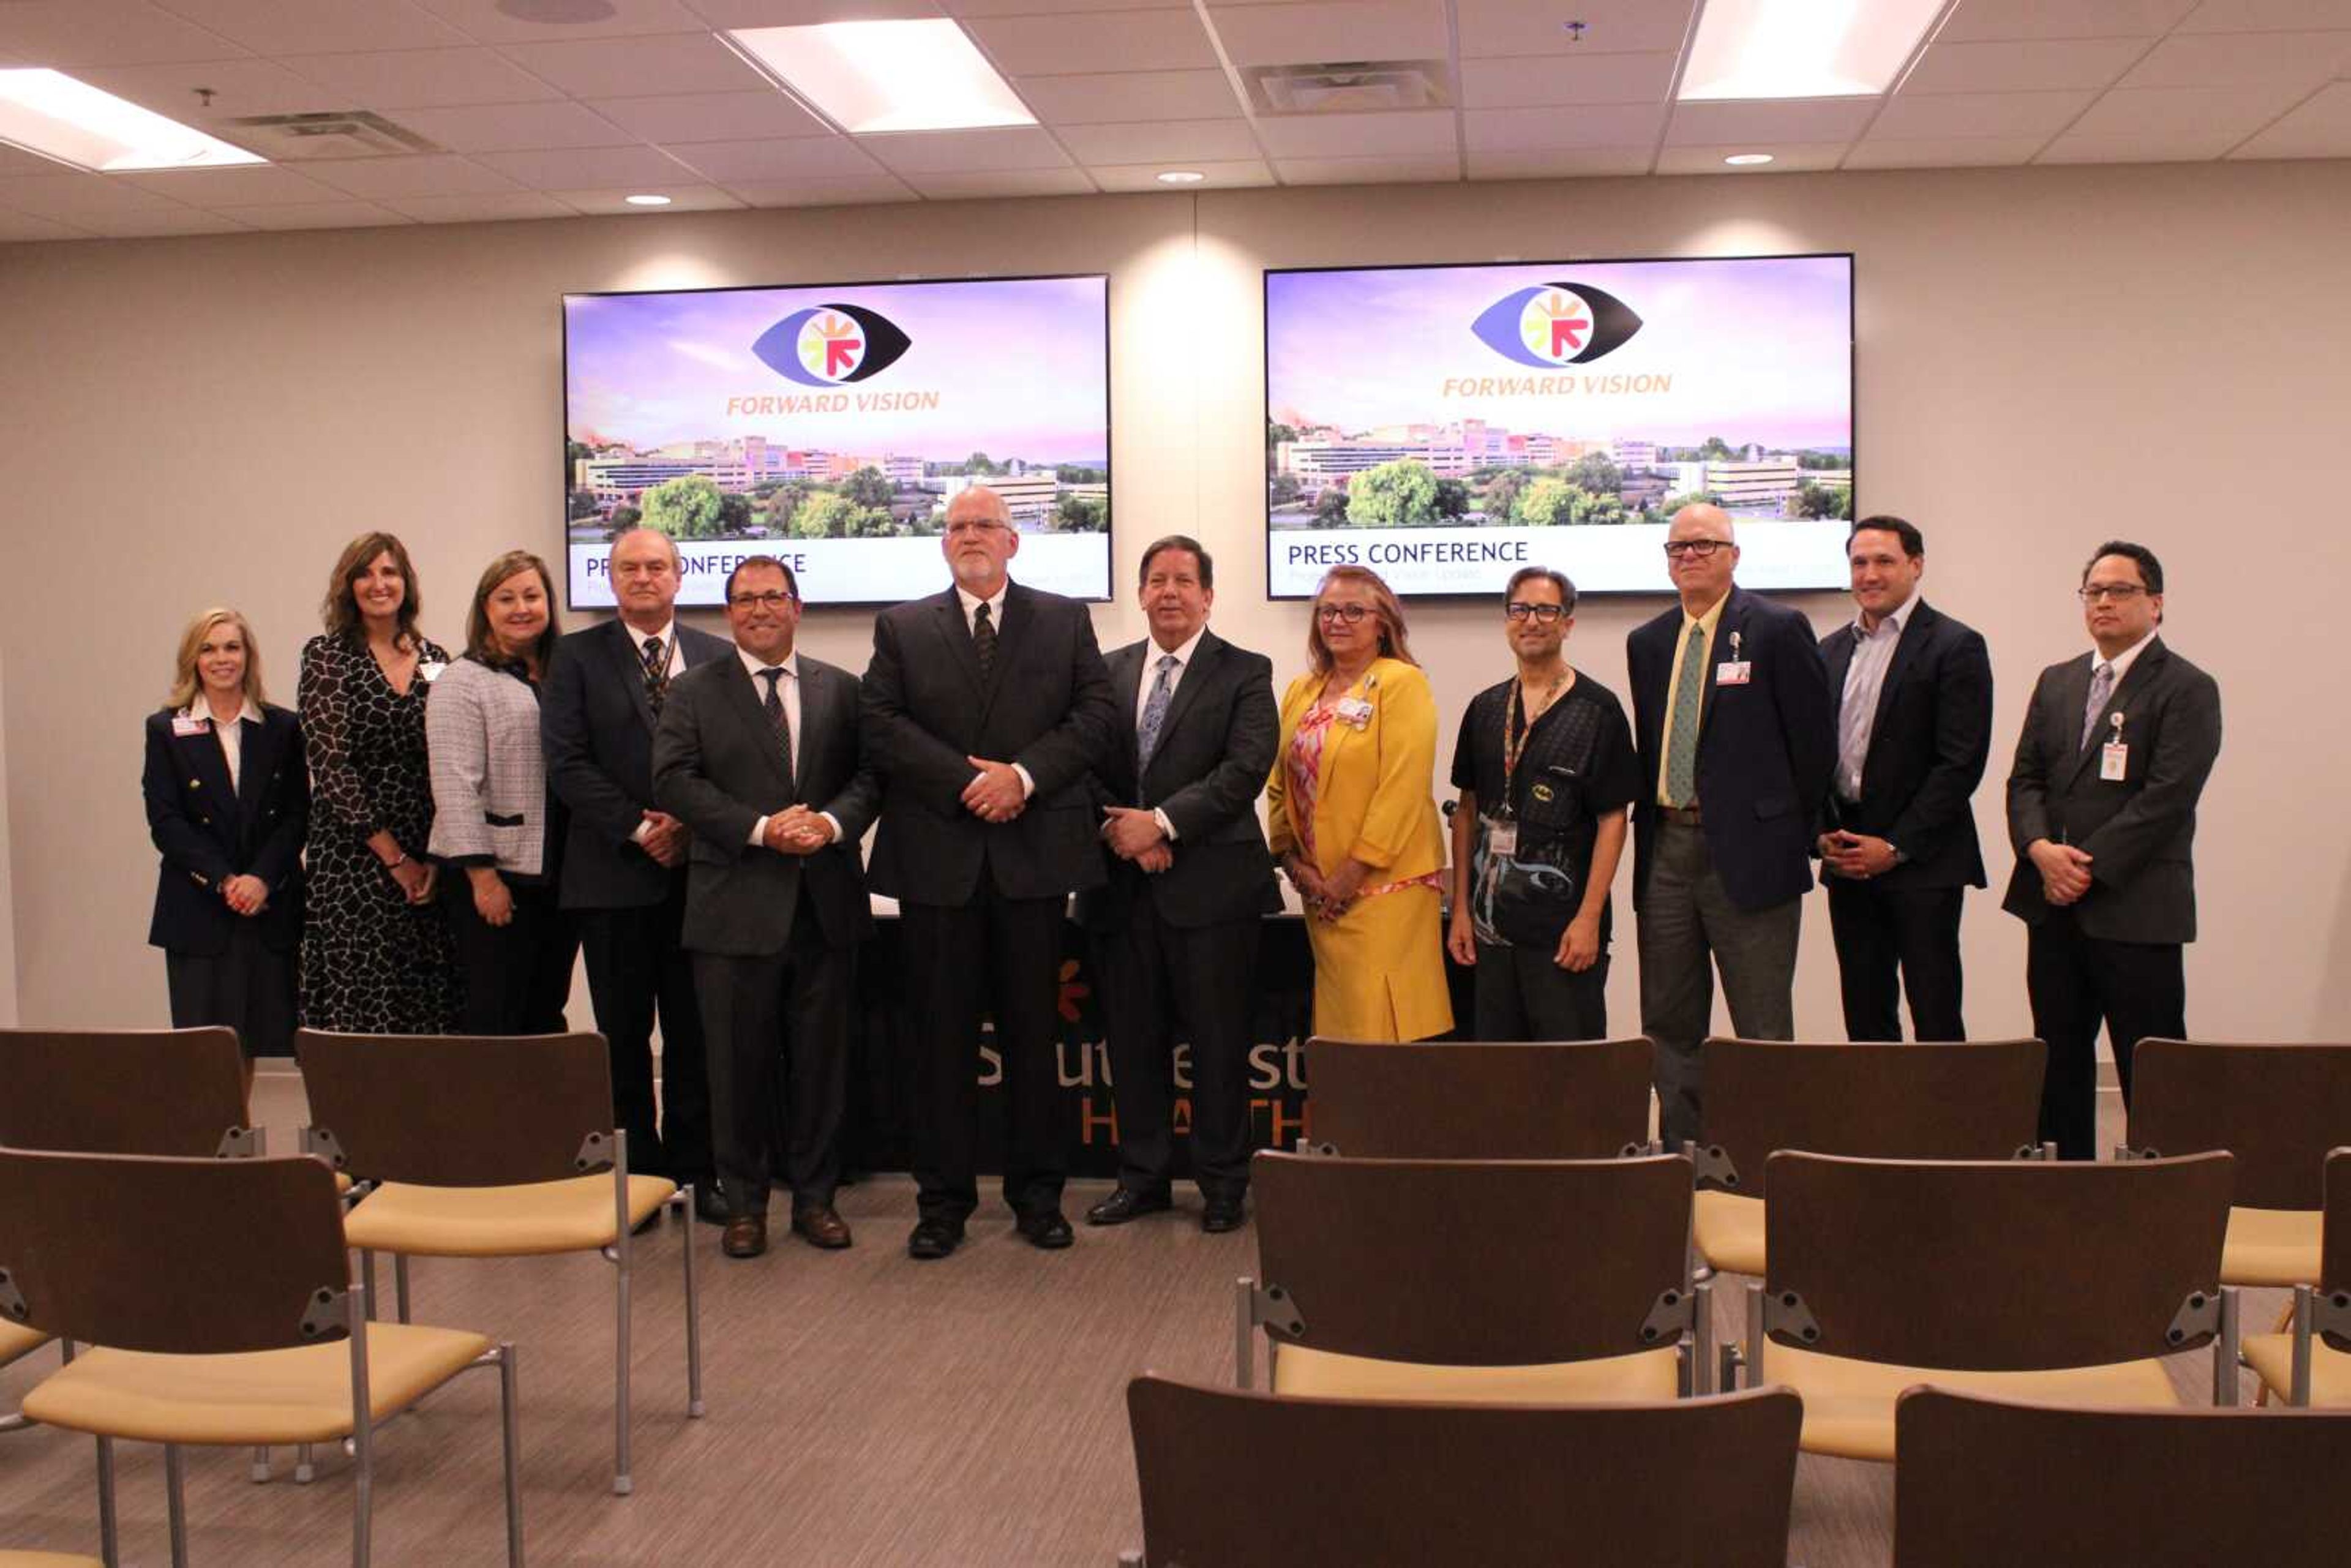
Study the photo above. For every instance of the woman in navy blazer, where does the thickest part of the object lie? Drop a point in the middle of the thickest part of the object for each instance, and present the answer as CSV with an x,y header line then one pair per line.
x,y
228,802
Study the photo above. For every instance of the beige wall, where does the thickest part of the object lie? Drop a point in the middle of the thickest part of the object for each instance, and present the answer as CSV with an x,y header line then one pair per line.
x,y
2046,357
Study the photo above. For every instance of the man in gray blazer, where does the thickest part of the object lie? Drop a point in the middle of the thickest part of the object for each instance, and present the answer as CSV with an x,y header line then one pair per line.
x,y
2102,812
759,756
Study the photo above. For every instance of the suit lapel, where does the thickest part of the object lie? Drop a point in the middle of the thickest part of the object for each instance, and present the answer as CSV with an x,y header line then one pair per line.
x,y
1012,636
946,614
1731,623
2073,699
1203,663
2143,672
1126,667
1914,632
205,760
629,663
751,710
258,761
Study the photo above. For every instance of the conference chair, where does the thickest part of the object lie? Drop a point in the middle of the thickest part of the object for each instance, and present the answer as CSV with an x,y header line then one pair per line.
x,y
490,1147
1251,1480
2031,1280
1981,1482
212,1291
1877,1099
2311,1362
1557,1281
46,1560
2279,1109
1575,1100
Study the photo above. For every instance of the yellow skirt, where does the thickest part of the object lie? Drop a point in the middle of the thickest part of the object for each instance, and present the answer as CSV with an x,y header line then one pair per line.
x,y
1379,969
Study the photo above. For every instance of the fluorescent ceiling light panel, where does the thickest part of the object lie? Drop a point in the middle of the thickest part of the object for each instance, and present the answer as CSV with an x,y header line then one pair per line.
x,y
872,76
1803,48
50,113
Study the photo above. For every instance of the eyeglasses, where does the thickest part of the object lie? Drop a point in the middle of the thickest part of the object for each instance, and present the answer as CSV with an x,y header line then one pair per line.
x,y
975,526
1676,548
1519,610
1350,614
774,598
2115,593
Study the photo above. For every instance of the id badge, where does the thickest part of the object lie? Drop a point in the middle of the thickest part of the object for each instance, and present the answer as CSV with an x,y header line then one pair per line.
x,y
1734,673
1501,838
182,725
2113,761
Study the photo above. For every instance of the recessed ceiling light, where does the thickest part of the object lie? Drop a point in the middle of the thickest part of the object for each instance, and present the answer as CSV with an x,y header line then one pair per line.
x,y
50,113
1747,160
1803,48
872,76
647,201
1182,177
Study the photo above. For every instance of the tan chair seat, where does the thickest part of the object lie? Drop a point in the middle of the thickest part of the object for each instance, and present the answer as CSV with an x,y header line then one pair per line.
x,y
2271,1247
1645,1376
16,1340
2271,1356
275,1398
1728,1230
1849,1405
498,1221
46,1560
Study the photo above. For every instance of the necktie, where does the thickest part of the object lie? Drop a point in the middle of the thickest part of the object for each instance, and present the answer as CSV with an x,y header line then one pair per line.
x,y
983,641
1154,714
774,675
656,673
2102,687
1681,764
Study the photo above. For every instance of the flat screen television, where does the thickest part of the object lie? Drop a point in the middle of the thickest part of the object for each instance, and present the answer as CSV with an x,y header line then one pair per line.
x,y
1447,425
831,425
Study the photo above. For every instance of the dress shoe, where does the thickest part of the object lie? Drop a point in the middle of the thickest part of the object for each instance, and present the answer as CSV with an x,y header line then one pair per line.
x,y
1045,1229
1126,1204
746,1237
710,1204
1221,1214
933,1238
820,1225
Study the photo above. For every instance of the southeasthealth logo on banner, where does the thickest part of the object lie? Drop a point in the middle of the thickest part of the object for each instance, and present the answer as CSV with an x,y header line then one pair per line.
x,y
1554,324
831,345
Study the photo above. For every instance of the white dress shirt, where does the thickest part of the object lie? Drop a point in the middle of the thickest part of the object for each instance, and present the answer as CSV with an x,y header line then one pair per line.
x,y
971,603
2123,661
231,734
1150,657
788,692
1864,678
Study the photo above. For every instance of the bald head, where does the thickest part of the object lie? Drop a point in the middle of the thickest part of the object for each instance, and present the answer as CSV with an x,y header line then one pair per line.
x,y
979,540
1700,551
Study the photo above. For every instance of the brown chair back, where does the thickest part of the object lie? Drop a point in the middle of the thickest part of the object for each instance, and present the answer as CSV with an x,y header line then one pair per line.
x,y
2278,1108
2009,1265
1250,1480
1576,1100
180,1256
1876,1100
1981,1481
122,1091
1473,1263
460,1109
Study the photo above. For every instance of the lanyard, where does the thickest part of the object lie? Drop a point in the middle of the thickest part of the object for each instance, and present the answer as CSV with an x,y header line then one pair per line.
x,y
1516,728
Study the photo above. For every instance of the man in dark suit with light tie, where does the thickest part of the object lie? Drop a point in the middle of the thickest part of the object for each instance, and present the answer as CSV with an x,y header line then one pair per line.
x,y
1897,841
1733,719
2102,813
1176,927
987,707
624,861
759,756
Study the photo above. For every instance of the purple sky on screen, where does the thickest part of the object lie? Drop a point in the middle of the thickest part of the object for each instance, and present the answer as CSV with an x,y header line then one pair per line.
x,y
1758,349
1018,365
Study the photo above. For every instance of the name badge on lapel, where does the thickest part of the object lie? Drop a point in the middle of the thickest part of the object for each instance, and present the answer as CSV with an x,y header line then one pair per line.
x,y
430,670
2113,757
183,725
1354,712
1733,674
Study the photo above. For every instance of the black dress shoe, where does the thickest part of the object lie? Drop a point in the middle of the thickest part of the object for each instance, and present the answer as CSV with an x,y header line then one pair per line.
x,y
710,1204
933,1238
1045,1229
1221,1214
1126,1204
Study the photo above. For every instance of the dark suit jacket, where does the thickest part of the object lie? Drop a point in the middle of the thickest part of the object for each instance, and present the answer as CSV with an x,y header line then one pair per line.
x,y
1049,709
2140,830
1215,747
1927,747
1765,749
717,768
597,728
209,833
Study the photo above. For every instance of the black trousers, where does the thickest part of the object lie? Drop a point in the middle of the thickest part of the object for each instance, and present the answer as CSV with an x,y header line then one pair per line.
x,y
1162,984
1522,995
637,970
778,1019
2136,989
1890,940
513,978
1000,957
248,986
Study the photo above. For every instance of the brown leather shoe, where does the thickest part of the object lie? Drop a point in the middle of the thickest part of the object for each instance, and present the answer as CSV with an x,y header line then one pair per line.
x,y
820,1227
746,1236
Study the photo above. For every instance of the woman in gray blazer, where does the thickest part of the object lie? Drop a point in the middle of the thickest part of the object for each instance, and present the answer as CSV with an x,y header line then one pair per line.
x,y
494,819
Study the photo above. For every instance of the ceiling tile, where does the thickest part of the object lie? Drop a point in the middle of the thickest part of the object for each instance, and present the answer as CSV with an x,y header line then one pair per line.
x,y
780,159
1333,30
1160,141
15,161
20,226
2023,67
240,87
503,127
1933,116
70,32
161,224
1795,120
587,168
615,200
628,67
711,116
964,186
1510,27
966,152
480,209
1129,95
2317,128
2266,15
1531,81
319,215
1222,175
443,174
1409,169
855,191
1943,152
79,199
1123,40
2243,59
320,26
1978,20
1583,162
802,13
2187,144
1787,158
269,185
421,79
485,23
1593,125
1043,7
2172,111
1358,135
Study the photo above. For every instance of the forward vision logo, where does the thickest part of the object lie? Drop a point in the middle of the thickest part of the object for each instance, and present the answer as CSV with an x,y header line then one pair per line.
x,y
1554,324
831,345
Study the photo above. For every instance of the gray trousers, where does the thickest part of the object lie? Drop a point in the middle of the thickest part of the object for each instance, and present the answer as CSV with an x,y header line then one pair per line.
x,y
1686,919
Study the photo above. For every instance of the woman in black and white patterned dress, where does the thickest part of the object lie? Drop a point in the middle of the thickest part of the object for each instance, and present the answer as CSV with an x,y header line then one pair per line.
x,y
375,952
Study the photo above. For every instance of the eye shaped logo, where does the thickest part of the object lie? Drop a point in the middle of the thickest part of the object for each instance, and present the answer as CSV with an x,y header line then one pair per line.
x,y
831,345
1555,324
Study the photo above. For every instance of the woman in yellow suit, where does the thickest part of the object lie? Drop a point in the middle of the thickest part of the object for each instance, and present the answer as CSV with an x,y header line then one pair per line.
x,y
1352,820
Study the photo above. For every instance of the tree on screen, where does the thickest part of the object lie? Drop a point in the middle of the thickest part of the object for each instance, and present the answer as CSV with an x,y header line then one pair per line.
x,y
1503,494
1597,473
1398,495
1330,508
823,516
1079,515
979,463
1452,500
686,507
1548,502
868,486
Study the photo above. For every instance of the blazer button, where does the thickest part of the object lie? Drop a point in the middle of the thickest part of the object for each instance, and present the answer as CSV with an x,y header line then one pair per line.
x,y
195,783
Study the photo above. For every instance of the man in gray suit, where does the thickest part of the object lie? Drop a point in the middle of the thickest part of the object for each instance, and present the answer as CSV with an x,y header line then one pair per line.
x,y
759,756
2102,810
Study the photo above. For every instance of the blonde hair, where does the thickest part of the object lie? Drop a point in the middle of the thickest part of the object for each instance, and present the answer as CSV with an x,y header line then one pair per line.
x,y
1384,604
481,641
186,684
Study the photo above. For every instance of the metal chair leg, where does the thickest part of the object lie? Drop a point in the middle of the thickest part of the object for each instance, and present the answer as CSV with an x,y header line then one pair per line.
x,y
1244,1341
511,1423
694,1405
1702,1358
109,1535
362,1439
622,1484
400,1283
304,1470
2225,1348
175,1501
1755,1336
367,1278
260,1465
2298,1382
